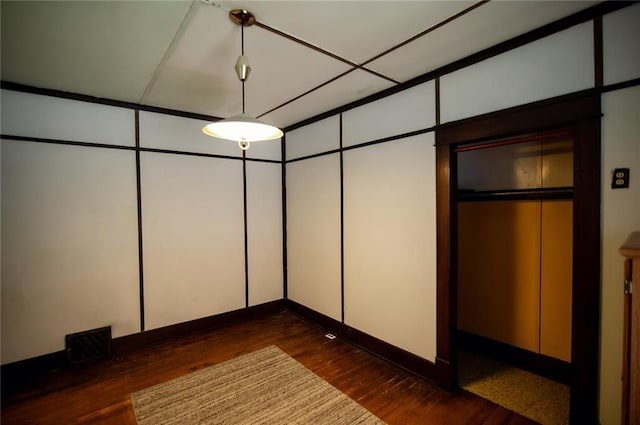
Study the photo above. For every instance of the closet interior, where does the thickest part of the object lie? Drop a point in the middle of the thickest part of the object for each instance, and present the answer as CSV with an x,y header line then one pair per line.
x,y
514,202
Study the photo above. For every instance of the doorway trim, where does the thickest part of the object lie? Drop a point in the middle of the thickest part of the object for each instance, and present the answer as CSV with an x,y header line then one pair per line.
x,y
581,113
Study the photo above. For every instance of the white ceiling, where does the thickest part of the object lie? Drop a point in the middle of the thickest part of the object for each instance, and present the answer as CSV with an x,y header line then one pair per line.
x,y
180,54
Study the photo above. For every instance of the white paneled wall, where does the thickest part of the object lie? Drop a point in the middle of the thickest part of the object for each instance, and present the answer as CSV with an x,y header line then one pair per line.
x,y
621,53
32,115
321,136
390,243
389,220
406,111
69,245
620,149
264,231
70,222
313,234
555,65
192,232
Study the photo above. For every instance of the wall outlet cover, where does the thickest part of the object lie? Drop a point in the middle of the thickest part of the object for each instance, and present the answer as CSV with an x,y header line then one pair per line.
x,y
620,178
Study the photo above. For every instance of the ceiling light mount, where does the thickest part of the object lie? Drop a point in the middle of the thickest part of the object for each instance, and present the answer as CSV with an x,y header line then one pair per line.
x,y
242,128
242,17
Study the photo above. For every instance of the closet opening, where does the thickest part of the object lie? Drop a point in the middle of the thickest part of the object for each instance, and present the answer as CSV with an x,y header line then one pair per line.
x,y
514,203
580,115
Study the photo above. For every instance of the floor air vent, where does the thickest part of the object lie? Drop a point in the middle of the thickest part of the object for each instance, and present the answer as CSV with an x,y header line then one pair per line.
x,y
88,346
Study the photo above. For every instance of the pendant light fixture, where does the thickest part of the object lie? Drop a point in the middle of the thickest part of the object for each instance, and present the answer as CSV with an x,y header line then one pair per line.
x,y
242,128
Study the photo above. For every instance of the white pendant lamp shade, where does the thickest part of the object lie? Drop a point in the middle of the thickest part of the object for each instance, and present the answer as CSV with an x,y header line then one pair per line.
x,y
242,128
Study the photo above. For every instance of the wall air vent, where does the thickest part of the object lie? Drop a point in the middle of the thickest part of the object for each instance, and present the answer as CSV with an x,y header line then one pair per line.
x,y
88,346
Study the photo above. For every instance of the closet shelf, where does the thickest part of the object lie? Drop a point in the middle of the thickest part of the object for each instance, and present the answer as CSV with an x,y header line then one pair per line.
x,y
515,194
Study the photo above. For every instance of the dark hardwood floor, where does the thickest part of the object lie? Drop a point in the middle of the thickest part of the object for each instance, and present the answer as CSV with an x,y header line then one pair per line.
x,y
100,394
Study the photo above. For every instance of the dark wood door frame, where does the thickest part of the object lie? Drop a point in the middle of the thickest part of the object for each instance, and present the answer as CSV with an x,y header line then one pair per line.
x,y
581,113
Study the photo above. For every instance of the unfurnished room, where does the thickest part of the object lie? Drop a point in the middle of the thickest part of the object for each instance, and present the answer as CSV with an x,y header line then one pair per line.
x,y
320,212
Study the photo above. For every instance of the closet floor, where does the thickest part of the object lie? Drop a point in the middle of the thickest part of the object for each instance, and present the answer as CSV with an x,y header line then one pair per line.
x,y
541,399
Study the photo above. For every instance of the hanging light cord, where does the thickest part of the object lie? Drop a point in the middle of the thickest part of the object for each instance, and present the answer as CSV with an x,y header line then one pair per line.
x,y
242,48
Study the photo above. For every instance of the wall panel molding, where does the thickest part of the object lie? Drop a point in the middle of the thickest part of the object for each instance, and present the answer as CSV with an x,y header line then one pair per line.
x,y
600,9
100,100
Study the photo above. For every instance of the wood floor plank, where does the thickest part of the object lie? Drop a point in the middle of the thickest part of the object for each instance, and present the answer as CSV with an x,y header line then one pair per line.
x,y
100,394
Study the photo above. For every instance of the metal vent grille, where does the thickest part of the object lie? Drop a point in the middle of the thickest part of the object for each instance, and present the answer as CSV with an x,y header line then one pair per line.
x,y
88,346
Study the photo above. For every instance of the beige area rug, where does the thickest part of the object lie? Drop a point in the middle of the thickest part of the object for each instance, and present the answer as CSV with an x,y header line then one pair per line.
x,y
263,387
543,400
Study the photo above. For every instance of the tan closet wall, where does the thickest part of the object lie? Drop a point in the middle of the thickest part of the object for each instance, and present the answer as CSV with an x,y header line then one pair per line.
x,y
556,279
499,271
514,280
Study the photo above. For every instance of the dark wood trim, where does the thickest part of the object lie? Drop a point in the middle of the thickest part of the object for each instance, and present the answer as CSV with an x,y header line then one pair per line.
x,y
391,138
155,336
585,332
8,85
446,316
544,115
315,155
139,214
208,155
246,228
445,373
306,93
129,148
542,103
65,142
521,194
622,85
585,15
341,225
21,374
539,364
598,52
365,144
427,31
325,52
437,95
585,96
533,137
627,353
388,352
377,74
305,44
581,114
15,374
285,284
